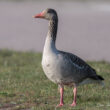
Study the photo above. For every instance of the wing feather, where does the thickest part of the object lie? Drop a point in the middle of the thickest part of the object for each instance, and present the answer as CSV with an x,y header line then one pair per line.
x,y
79,63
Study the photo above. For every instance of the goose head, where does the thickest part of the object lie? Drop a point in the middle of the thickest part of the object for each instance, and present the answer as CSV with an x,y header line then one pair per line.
x,y
49,14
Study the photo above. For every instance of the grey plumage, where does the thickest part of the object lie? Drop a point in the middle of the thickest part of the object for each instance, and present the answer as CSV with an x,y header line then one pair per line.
x,y
82,69
64,67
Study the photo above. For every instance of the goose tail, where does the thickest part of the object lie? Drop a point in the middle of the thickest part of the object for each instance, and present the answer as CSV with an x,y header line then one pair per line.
x,y
98,79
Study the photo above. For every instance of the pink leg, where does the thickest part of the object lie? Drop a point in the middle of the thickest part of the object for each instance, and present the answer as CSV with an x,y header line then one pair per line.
x,y
61,97
75,93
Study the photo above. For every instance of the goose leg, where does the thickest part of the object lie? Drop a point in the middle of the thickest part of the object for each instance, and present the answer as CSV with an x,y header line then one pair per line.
x,y
61,97
75,94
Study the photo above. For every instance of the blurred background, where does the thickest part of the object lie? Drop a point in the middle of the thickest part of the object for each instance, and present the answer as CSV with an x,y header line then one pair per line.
x,y
84,26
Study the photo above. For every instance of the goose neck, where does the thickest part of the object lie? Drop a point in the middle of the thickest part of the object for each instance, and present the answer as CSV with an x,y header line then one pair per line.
x,y
52,32
51,36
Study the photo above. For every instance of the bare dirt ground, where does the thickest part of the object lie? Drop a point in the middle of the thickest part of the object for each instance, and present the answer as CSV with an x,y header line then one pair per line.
x,y
84,27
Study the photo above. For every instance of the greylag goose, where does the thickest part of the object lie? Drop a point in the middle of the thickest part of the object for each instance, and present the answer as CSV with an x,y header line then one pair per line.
x,y
61,67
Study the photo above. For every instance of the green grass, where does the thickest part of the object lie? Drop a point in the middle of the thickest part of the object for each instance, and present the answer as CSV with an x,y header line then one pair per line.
x,y
23,85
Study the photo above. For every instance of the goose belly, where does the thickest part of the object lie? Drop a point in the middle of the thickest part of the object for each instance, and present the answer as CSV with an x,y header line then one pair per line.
x,y
57,70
